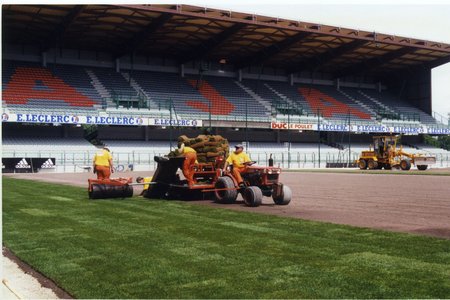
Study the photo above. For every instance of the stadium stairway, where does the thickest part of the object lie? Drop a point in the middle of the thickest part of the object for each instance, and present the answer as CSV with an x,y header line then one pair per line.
x,y
117,86
255,96
139,89
155,85
281,96
238,97
100,88
358,102
292,94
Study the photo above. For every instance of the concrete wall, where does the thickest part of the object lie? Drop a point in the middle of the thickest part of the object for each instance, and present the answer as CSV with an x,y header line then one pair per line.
x,y
47,131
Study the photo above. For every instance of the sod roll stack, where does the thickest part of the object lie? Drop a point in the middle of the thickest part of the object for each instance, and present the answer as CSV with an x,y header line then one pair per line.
x,y
208,147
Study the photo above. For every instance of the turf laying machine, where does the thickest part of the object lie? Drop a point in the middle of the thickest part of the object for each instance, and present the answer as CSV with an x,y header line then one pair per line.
x,y
385,154
167,184
210,183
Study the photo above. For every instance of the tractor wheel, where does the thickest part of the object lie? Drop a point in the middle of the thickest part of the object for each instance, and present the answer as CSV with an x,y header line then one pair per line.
x,y
362,164
387,167
372,164
225,190
422,167
405,164
285,196
252,196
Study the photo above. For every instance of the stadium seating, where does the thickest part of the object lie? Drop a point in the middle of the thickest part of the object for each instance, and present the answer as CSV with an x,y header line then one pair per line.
x,y
331,104
218,104
119,89
164,88
242,101
29,87
290,92
395,104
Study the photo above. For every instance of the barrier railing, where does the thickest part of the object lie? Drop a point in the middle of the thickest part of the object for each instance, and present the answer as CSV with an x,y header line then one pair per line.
x,y
79,161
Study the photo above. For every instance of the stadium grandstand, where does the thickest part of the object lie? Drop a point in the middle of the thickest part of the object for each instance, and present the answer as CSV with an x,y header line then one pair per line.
x,y
134,77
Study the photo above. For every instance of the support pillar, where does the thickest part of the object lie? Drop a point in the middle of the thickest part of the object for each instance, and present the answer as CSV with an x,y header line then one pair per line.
x,y
182,70
65,131
146,133
117,65
44,59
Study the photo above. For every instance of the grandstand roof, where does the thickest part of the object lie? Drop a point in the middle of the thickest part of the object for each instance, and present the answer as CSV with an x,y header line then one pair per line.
x,y
189,33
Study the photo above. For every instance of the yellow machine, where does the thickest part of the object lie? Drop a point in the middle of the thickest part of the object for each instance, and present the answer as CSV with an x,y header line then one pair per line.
x,y
385,154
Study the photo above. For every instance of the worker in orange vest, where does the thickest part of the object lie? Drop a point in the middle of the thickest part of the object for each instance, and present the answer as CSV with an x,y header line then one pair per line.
x,y
190,159
240,160
103,164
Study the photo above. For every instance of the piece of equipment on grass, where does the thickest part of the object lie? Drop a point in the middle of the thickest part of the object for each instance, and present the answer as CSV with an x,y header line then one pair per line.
x,y
209,184
166,183
110,188
258,182
385,154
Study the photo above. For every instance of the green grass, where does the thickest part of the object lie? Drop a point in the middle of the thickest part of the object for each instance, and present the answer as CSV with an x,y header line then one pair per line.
x,y
137,248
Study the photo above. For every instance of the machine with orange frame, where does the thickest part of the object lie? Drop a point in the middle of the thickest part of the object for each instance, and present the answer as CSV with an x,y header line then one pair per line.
x,y
210,183
258,182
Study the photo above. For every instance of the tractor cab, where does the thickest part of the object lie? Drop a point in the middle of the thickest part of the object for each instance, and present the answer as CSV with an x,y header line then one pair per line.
x,y
383,144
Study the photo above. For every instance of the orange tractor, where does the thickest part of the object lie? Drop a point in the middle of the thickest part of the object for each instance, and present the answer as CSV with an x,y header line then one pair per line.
x,y
258,181
210,183
385,154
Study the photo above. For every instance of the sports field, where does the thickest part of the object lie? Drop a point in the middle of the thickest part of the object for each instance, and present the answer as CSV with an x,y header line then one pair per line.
x,y
415,203
139,248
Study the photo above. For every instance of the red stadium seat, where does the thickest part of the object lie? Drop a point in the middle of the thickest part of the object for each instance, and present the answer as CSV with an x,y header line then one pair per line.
x,y
22,88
